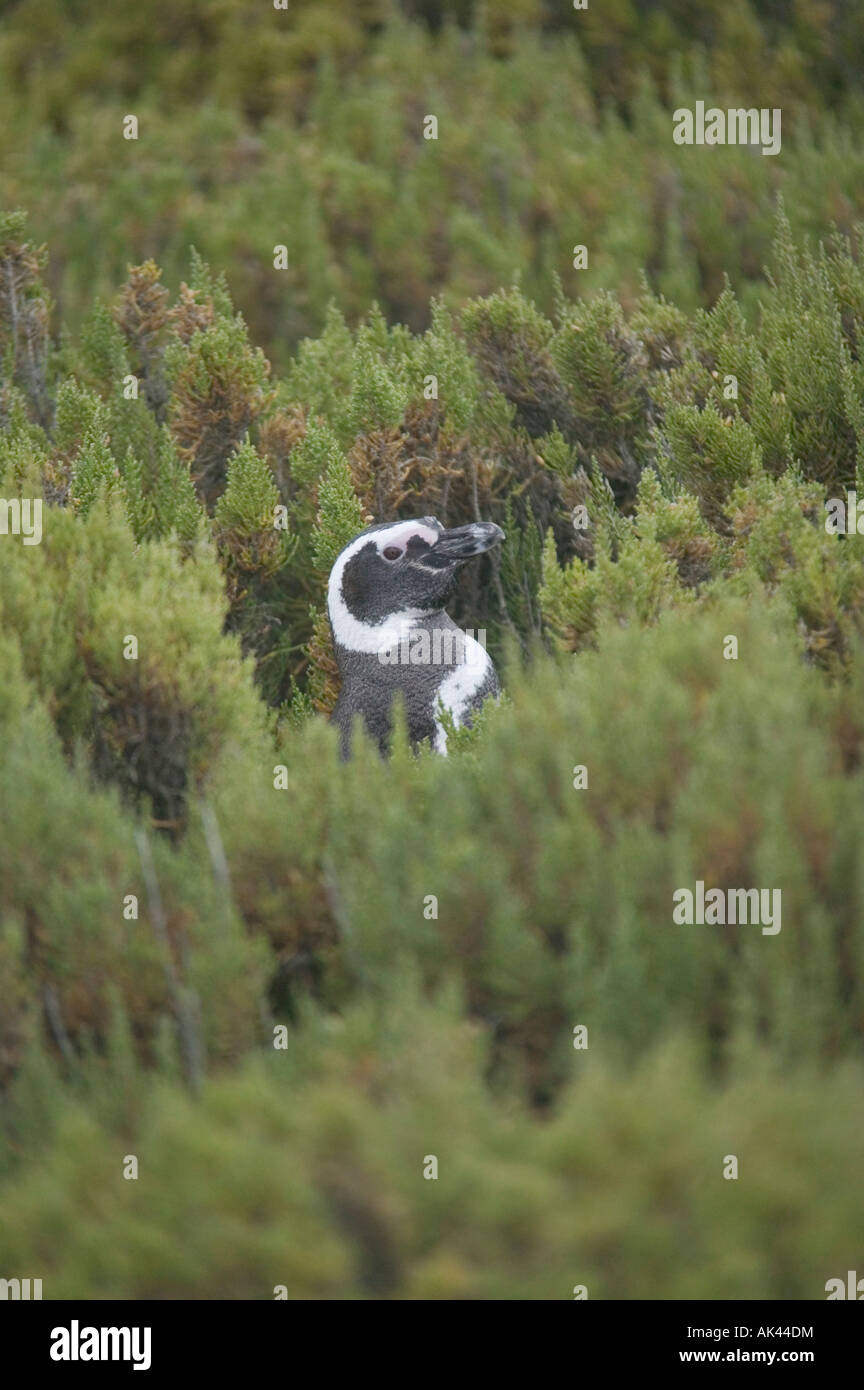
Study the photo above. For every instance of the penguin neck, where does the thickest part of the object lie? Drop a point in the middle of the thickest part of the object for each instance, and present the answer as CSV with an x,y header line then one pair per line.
x,y
352,637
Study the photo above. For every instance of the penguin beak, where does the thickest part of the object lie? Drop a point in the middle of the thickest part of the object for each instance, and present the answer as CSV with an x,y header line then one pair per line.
x,y
463,542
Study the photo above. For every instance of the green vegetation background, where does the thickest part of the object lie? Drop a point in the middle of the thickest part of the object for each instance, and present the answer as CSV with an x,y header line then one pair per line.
x,y
277,888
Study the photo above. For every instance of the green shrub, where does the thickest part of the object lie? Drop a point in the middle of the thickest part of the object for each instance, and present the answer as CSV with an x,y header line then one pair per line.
x,y
429,932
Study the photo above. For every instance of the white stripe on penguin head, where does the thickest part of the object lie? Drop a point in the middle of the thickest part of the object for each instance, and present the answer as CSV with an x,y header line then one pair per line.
x,y
350,632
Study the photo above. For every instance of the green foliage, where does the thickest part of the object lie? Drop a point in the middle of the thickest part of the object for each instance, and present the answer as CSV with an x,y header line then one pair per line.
x,y
317,452
23,444
599,359
670,432
605,1189
79,412
557,454
708,453
304,127
166,659
255,550
103,351
153,722
444,355
511,340
434,1036
250,498
159,493
376,401
94,473
340,515
217,383
24,312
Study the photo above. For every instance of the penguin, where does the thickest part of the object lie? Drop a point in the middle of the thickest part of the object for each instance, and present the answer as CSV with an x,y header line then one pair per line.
x,y
385,602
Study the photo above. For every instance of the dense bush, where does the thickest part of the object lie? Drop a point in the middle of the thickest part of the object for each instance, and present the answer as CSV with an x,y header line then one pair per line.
x,y
304,128
187,865
285,983
306,1174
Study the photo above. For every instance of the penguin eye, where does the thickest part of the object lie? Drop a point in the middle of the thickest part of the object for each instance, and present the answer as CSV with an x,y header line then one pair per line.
x,y
391,552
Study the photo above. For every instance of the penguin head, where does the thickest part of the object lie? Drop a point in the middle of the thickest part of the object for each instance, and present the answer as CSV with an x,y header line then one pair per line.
x,y
403,569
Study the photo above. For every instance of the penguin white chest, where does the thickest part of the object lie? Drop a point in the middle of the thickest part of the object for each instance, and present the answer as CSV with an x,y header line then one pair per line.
x,y
457,692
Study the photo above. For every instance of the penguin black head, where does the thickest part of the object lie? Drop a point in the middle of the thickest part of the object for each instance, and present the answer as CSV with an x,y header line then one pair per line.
x,y
400,570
